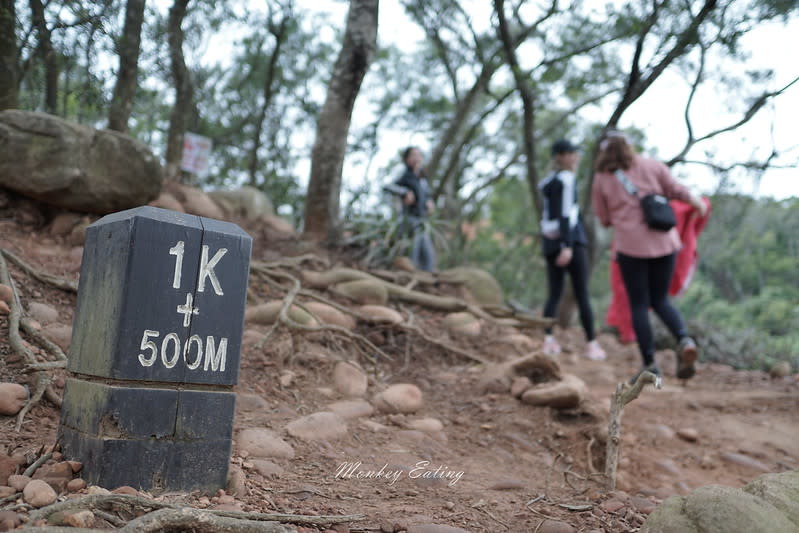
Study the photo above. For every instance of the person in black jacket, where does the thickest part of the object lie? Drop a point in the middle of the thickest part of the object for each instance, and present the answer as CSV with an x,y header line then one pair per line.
x,y
412,187
564,245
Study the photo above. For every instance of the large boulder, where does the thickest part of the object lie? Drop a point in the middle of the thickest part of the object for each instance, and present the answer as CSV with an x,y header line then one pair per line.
x,y
483,288
247,202
718,509
74,166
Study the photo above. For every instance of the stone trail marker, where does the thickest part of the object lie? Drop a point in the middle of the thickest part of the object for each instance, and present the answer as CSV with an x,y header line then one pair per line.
x,y
155,350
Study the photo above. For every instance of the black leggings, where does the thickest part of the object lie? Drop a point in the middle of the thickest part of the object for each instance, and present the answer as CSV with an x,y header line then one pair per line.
x,y
578,272
647,282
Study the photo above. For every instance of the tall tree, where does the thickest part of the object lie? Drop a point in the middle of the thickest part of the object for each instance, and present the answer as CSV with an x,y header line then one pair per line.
x,y
327,157
128,47
278,30
9,67
184,89
48,54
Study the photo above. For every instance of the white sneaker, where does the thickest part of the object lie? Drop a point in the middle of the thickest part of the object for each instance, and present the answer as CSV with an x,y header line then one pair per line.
x,y
594,351
551,346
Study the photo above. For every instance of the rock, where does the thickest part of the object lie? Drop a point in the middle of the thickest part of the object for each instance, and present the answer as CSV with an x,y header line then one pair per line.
x,y
6,491
247,202
323,425
63,223
73,166
520,342
195,201
537,367
555,526
94,490
267,314
167,200
268,469
18,482
364,291
12,399
76,485
247,402
611,506
403,262
330,315
780,369
4,308
9,520
127,490
519,385
8,466
43,313
56,475
642,505
236,482
399,398
434,528
262,442
287,378
373,426
663,432
688,434
60,334
667,465
463,323
508,484
350,380
426,425
6,294
719,509
745,461
379,314
38,493
351,409
780,490
482,287
564,394
84,519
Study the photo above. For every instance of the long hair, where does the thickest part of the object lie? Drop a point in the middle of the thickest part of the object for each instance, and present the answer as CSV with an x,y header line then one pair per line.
x,y
615,152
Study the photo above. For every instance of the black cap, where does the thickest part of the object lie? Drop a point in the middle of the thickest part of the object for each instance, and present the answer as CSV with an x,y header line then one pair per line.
x,y
562,146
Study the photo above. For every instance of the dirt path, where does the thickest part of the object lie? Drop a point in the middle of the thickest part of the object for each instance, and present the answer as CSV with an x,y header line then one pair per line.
x,y
497,465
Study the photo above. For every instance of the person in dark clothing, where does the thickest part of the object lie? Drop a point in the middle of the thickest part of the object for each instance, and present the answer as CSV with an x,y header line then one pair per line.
x,y
414,190
564,244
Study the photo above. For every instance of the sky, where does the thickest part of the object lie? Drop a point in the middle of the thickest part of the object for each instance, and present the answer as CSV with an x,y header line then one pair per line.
x,y
659,112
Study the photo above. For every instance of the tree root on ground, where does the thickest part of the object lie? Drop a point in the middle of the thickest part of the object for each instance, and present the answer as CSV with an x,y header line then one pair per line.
x,y
162,516
41,377
44,277
624,394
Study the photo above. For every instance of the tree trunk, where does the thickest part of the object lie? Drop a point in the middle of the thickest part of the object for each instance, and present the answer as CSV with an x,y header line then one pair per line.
x,y
129,46
45,48
183,90
528,103
9,68
327,157
279,33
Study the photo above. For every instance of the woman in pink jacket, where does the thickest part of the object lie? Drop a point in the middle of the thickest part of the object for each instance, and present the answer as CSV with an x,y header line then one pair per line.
x,y
645,256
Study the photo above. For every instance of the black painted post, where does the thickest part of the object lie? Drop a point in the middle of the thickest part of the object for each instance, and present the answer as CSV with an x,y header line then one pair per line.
x,y
155,350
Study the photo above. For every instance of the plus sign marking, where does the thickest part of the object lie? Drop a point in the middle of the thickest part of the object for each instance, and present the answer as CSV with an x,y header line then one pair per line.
x,y
187,310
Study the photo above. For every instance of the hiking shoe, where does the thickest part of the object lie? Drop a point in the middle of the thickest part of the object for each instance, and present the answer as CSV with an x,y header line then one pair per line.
x,y
687,354
551,346
594,351
654,368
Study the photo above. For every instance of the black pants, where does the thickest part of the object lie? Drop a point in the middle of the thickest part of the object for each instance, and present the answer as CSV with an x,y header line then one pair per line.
x,y
647,282
578,272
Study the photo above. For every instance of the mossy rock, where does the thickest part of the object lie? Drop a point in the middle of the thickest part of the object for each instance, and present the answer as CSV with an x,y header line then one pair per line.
x,y
482,286
364,291
780,490
718,509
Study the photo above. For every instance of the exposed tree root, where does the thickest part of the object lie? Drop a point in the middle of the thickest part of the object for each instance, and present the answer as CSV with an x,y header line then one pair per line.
x,y
162,516
44,277
624,394
41,378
